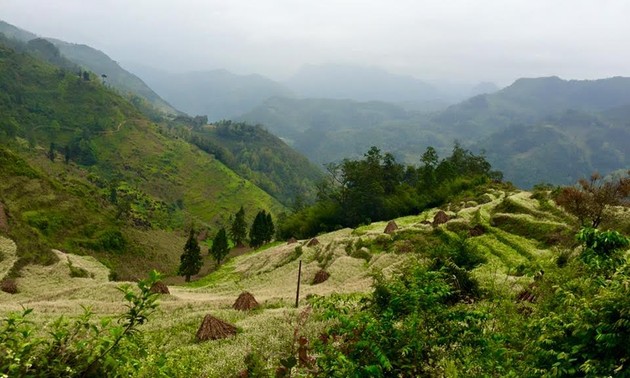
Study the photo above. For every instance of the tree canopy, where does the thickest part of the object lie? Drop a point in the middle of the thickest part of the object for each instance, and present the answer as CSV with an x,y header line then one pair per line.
x,y
377,187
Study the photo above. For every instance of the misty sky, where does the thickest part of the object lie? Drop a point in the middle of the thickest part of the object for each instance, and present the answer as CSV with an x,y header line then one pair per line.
x,y
481,40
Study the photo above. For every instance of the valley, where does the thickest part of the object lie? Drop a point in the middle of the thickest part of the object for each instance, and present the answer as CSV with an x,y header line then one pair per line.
x,y
371,223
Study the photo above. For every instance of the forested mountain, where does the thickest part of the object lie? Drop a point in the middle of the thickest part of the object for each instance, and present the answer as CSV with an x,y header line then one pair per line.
x,y
100,177
327,130
219,94
358,83
559,149
262,158
528,101
535,130
98,62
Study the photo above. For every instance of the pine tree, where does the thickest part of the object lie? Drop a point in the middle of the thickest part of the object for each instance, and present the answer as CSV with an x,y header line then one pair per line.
x,y
190,260
220,247
238,229
257,231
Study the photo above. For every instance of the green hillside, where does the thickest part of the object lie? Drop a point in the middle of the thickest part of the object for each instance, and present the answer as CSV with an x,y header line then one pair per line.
x,y
262,158
93,152
88,58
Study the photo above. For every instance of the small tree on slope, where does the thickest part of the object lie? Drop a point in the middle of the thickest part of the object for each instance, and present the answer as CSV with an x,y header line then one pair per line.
x,y
190,261
220,247
238,229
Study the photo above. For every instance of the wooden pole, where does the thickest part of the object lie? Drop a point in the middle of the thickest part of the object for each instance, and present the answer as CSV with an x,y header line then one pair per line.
x,y
297,293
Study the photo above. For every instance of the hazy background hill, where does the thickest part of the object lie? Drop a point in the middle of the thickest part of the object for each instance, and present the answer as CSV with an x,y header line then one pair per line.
x,y
535,130
327,130
336,81
219,94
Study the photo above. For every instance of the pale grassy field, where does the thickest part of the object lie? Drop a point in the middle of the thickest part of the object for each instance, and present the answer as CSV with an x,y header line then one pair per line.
x,y
8,256
270,275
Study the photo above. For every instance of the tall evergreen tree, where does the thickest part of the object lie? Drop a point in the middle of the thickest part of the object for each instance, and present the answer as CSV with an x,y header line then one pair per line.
x,y
190,260
220,247
238,229
257,231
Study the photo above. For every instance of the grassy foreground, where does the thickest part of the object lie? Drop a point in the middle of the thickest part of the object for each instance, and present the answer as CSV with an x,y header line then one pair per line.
x,y
515,244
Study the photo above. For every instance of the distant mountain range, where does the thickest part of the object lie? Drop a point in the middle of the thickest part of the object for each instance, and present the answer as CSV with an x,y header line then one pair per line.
x,y
219,94
541,129
351,82
537,129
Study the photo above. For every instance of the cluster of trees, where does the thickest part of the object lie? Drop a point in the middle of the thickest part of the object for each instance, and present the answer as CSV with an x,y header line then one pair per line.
x,y
589,200
261,231
377,187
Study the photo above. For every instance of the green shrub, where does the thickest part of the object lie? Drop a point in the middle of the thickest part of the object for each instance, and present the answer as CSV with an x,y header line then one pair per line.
x,y
80,347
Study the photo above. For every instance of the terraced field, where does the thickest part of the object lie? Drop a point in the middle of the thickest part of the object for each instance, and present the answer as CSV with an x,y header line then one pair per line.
x,y
270,274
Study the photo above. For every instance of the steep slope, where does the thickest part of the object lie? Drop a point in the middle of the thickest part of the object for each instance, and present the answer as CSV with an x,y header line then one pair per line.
x,y
99,63
117,77
262,158
92,151
219,94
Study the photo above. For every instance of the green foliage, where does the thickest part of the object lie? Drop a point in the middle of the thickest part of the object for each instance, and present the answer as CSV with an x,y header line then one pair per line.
x,y
603,250
408,327
220,247
79,347
78,272
238,228
378,188
190,260
262,229
261,157
583,323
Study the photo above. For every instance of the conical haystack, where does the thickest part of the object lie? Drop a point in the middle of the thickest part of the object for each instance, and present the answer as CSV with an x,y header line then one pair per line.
x,y
478,230
213,329
245,302
160,288
313,242
320,277
9,286
391,227
292,241
440,218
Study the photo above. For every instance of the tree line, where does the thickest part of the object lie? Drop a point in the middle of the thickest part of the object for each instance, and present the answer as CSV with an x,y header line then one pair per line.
x,y
377,188
261,231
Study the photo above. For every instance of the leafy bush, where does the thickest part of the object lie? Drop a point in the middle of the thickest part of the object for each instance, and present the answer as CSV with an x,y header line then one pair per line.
x,y
582,324
79,347
408,326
